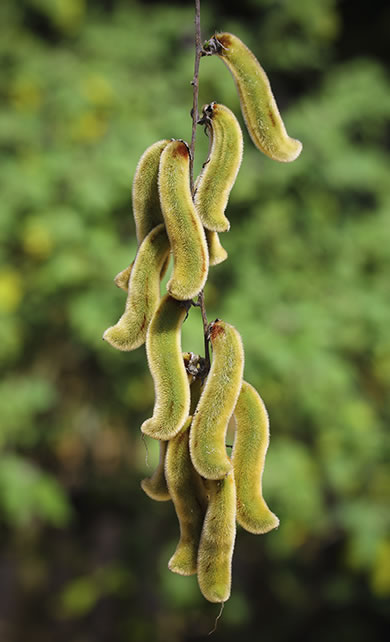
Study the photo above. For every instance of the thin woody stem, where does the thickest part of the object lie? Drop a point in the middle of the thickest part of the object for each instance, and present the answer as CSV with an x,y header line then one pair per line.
x,y
195,118
195,84
205,329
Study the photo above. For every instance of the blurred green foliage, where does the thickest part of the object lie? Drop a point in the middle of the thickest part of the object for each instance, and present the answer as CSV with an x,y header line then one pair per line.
x,y
85,87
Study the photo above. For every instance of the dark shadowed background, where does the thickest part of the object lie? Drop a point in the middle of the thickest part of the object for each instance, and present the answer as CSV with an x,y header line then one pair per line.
x,y
85,87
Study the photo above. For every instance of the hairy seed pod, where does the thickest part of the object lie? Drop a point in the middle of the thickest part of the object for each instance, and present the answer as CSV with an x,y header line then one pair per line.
x,y
144,292
156,486
172,390
184,228
261,114
122,278
217,253
248,456
145,196
217,402
188,496
220,170
217,540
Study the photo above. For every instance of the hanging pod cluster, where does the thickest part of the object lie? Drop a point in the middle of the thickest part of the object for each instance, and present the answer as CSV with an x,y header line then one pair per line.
x,y
211,488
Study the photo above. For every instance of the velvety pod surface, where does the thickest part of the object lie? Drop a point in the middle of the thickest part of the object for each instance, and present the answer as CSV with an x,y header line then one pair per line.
x,y
183,225
258,105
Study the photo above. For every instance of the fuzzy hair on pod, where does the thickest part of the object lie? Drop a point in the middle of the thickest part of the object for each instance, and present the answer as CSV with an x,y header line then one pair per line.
x,y
258,105
172,389
248,457
221,168
217,540
217,253
189,498
155,486
145,197
143,294
217,402
122,278
183,225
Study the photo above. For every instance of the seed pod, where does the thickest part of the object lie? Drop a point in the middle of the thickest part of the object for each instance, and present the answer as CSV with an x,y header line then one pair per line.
x,y
145,196
220,170
217,540
248,456
217,402
172,390
144,292
122,278
217,253
258,106
189,498
156,486
184,228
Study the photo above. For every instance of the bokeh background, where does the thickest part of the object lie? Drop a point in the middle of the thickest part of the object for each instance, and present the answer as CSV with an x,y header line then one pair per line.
x,y
85,87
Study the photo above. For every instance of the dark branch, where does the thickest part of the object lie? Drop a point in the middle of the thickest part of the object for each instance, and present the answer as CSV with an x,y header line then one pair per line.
x,y
195,118
195,84
205,330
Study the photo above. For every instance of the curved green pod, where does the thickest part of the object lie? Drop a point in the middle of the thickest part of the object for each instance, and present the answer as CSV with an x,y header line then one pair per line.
x,y
220,170
217,402
172,390
217,253
145,197
183,225
217,540
248,457
122,279
155,486
258,106
143,294
189,498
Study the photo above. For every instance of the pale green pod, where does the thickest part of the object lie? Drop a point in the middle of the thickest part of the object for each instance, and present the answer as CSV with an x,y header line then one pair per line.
x,y
145,197
143,293
217,253
188,496
155,486
122,278
217,540
217,402
248,457
183,225
220,170
172,390
260,111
